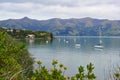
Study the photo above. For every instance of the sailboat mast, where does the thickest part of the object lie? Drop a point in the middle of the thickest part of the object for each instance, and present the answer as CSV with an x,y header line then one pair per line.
x,y
100,34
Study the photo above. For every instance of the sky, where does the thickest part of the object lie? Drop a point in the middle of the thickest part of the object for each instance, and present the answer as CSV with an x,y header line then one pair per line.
x,y
65,9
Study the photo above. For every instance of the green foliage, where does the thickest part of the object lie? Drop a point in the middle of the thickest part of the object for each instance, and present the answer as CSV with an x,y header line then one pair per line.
x,y
21,34
81,73
117,74
55,73
42,34
90,75
15,61
2,29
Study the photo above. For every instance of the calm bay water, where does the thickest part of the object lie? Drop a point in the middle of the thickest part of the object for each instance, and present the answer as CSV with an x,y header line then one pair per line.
x,y
64,49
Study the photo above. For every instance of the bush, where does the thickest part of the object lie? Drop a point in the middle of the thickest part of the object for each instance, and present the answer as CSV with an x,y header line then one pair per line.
x,y
57,72
15,61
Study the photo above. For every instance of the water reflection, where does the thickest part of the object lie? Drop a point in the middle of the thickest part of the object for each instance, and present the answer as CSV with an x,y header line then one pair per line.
x,y
39,41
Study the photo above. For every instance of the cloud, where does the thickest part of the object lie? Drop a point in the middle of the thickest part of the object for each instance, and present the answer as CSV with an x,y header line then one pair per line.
x,y
60,8
65,2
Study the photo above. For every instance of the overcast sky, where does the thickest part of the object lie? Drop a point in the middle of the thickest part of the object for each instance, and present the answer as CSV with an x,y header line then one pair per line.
x,y
46,9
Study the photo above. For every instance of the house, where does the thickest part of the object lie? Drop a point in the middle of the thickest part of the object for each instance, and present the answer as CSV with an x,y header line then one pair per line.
x,y
30,36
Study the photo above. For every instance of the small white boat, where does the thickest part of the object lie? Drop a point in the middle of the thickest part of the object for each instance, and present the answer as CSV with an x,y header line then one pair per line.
x,y
77,45
99,46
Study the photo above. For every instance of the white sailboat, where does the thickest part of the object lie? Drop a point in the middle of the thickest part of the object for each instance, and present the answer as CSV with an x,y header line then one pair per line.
x,y
99,46
77,45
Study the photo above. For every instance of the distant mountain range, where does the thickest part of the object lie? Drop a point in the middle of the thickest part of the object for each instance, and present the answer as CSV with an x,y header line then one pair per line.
x,y
67,27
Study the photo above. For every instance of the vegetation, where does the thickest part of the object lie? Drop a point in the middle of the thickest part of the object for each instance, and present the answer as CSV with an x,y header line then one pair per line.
x,y
117,74
58,70
82,76
15,61
22,34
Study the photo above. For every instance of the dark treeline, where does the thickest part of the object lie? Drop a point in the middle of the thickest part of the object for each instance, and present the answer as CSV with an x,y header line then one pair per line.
x,y
22,34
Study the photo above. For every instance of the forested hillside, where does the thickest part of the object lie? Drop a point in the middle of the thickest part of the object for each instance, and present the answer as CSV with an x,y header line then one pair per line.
x,y
67,27
22,34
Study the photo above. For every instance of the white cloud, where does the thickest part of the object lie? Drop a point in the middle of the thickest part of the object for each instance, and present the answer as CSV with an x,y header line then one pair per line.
x,y
65,2
71,9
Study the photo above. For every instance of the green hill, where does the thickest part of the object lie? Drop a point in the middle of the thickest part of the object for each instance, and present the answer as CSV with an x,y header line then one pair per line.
x,y
67,27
